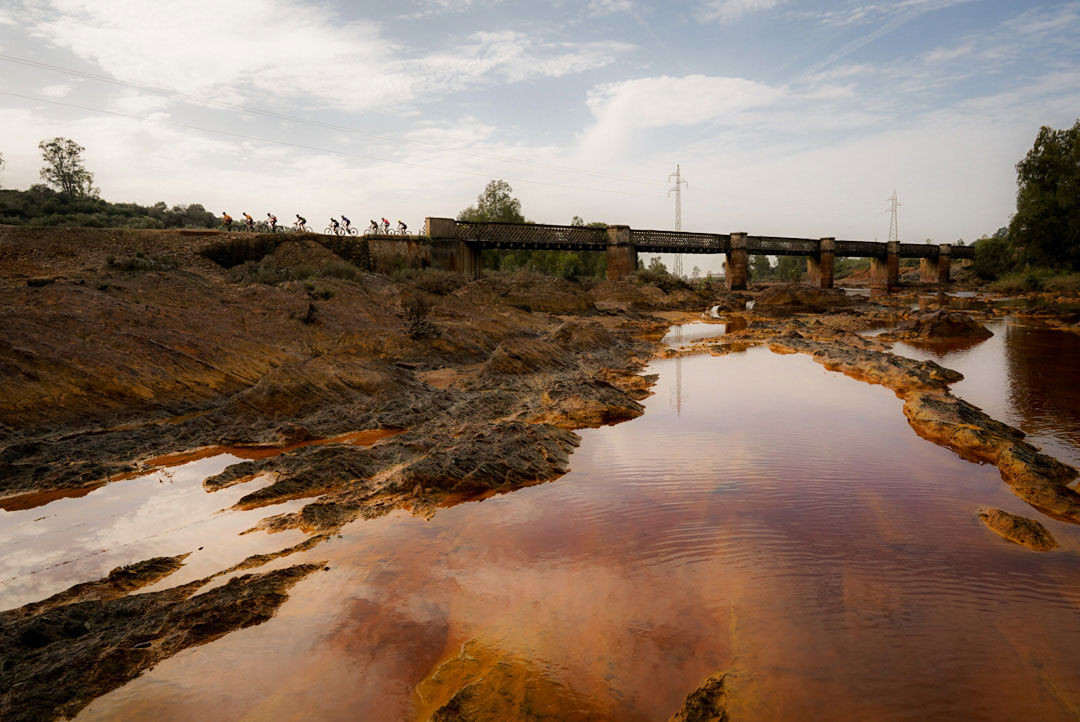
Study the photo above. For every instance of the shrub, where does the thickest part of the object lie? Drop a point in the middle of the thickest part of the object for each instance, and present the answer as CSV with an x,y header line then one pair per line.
x,y
339,269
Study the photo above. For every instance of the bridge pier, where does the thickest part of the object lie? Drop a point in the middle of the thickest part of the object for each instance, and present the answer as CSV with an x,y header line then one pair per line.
x,y
885,272
937,270
451,254
737,262
621,253
820,267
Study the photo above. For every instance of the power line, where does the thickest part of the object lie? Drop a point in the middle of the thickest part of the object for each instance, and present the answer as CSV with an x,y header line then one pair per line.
x,y
314,123
300,146
677,188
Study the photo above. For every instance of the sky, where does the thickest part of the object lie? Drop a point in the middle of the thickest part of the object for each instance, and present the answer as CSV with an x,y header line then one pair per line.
x,y
785,117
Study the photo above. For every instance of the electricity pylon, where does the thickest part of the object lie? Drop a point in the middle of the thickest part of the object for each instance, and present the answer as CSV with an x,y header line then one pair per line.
x,y
894,231
677,188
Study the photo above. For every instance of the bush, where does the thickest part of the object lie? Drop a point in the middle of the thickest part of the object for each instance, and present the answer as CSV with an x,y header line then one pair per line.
x,y
432,280
1032,279
666,281
1065,283
339,269
140,263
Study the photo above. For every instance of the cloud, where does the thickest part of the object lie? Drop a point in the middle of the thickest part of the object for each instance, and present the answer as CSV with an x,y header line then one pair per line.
x,y
731,10
268,51
56,91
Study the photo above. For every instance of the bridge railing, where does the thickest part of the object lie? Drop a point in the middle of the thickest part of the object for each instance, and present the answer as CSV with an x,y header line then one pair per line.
x,y
860,249
679,242
919,250
531,235
777,246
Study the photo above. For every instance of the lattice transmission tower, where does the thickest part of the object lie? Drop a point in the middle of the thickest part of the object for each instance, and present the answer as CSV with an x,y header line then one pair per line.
x,y
677,189
894,231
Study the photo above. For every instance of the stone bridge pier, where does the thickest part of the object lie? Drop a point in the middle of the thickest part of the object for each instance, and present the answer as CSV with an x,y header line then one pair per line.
x,y
621,253
462,257
885,270
736,272
936,270
820,267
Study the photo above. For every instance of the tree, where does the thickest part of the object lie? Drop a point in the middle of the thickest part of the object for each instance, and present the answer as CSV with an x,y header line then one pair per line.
x,y
1046,228
760,268
494,204
64,169
656,265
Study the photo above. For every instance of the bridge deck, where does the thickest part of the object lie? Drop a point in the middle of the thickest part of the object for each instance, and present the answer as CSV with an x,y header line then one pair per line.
x,y
583,238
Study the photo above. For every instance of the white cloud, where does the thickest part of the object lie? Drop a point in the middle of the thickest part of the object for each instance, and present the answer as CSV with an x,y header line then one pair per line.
x,y
56,91
270,50
608,7
731,10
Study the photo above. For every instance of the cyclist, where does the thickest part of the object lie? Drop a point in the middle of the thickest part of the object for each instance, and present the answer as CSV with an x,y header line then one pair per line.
x,y
374,227
249,221
385,225
273,221
401,227
226,221
346,221
335,226
301,223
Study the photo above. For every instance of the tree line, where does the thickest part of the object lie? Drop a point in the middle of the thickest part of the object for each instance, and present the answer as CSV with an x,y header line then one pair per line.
x,y
68,197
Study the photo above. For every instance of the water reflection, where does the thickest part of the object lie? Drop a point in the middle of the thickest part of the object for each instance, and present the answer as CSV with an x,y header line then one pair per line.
x,y
784,522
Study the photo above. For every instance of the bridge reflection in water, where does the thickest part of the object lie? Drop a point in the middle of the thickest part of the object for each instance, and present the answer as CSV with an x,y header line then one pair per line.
x,y
457,245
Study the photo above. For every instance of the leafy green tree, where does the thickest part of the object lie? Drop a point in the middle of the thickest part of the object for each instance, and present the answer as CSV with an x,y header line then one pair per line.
x,y
1046,228
993,256
790,268
64,169
656,265
494,204
760,268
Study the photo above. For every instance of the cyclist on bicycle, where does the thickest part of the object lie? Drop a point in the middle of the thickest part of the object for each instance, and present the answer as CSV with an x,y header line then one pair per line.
x,y
401,227
226,220
374,227
249,221
335,225
385,225
346,221
301,222
273,221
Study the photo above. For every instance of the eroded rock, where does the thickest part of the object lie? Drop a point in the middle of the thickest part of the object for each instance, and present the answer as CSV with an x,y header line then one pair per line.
x,y
1017,529
706,703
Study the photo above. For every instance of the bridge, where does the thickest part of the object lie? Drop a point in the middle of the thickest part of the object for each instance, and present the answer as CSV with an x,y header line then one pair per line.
x,y
458,244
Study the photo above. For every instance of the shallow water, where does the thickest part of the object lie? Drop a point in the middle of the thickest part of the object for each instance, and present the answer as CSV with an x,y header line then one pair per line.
x,y
764,516
1025,375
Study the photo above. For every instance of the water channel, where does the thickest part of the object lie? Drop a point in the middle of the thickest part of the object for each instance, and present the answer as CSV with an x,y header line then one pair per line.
x,y
764,516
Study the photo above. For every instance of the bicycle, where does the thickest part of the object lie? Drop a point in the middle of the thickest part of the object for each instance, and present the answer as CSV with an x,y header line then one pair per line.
x,y
333,231
299,227
350,231
373,229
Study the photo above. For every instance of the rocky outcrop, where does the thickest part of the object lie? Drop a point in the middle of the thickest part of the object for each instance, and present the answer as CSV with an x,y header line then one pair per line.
x,y
803,298
1017,529
706,703
53,664
941,324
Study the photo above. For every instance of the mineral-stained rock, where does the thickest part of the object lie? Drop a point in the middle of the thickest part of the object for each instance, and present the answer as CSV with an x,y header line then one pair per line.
x,y
119,582
1018,529
485,684
895,372
54,663
706,703
942,323
803,296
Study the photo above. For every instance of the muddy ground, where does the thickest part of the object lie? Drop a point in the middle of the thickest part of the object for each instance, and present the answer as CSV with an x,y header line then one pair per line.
x,y
120,348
